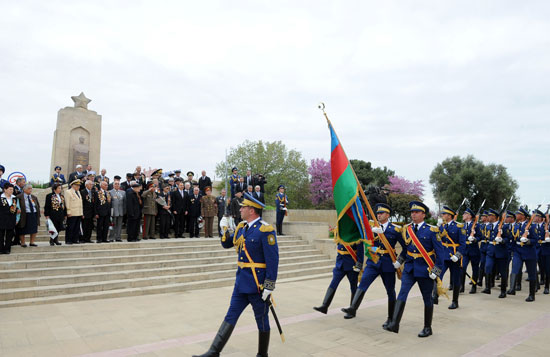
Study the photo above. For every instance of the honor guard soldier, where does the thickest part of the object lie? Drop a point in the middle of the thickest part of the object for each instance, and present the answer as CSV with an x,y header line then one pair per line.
x,y
453,238
481,237
471,252
521,221
258,259
281,201
57,177
545,256
423,263
525,252
386,265
497,252
233,180
349,262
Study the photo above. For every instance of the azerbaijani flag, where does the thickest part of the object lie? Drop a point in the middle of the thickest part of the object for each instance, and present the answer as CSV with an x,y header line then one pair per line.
x,y
352,222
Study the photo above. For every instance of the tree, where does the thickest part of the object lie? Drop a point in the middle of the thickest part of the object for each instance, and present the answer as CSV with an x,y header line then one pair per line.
x,y
400,184
279,166
399,202
321,184
367,175
457,178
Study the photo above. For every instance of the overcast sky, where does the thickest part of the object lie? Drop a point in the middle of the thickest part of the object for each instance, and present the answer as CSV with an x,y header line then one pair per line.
x,y
406,83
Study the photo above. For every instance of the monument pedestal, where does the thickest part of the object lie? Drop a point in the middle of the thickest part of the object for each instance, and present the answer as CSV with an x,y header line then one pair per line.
x,y
77,137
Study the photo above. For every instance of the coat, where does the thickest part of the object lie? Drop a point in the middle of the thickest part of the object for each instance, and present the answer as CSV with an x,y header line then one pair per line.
x,y
73,202
133,205
88,207
194,205
8,213
118,203
149,203
23,205
179,202
102,203
53,208
208,206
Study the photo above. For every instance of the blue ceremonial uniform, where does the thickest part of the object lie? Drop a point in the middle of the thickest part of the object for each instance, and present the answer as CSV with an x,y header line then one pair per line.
x,y
497,254
453,238
281,201
384,267
471,253
344,266
258,253
57,178
233,180
482,236
544,254
416,269
526,252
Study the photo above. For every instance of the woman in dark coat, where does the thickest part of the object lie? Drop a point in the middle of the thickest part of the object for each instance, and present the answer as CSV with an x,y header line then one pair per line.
x,y
55,210
8,213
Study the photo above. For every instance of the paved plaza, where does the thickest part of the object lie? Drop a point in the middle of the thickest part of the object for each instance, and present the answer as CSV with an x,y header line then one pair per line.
x,y
181,324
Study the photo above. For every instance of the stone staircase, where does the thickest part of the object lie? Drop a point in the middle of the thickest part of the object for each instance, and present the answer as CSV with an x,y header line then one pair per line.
x,y
45,274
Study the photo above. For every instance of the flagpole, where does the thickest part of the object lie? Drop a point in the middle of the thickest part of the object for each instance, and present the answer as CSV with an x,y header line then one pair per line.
x,y
362,193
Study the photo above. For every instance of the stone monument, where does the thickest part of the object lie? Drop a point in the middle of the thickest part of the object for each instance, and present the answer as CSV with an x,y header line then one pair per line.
x,y
77,137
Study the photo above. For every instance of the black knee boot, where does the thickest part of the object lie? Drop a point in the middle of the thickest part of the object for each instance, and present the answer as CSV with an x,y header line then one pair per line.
x,y
428,315
463,282
391,309
355,302
219,341
547,286
393,326
532,290
326,301
518,281
512,290
480,279
263,343
487,289
503,282
454,304
435,297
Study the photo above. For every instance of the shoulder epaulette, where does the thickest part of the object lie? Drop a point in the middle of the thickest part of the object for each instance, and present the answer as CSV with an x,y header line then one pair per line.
x,y
265,227
459,225
434,228
240,225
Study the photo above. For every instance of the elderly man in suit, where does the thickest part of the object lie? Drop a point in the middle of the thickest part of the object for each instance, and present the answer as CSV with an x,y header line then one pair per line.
x,y
73,202
30,215
118,210
74,175
222,203
87,194
194,207
102,209
134,203
204,182
179,209
150,210
258,194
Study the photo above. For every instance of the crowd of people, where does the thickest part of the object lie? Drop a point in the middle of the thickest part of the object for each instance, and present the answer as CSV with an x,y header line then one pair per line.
x,y
170,205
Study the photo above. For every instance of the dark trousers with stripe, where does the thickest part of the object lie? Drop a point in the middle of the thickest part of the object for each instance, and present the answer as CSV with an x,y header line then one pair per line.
x,y
239,301
338,275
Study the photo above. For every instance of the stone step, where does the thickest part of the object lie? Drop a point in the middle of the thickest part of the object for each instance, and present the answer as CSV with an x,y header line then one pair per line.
x,y
286,270
213,252
45,246
98,276
59,253
162,289
141,265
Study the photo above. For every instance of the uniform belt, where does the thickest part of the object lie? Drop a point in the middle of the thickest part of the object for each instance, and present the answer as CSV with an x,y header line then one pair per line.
x,y
542,241
343,252
484,241
418,255
447,245
251,265
494,243
382,251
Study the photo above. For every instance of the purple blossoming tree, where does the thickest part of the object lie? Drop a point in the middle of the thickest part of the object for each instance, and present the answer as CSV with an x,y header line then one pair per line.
x,y
400,184
321,183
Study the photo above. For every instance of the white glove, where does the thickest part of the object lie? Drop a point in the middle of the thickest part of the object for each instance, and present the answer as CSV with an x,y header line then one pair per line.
x,y
524,239
454,258
433,276
498,239
224,223
356,269
285,209
265,294
377,230
471,238
547,239
396,264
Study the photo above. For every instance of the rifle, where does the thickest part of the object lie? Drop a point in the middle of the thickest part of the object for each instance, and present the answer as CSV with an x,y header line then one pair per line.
x,y
526,231
459,207
476,219
503,211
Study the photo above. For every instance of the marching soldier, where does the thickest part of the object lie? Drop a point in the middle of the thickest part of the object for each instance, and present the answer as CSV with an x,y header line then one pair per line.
x,y
281,201
349,262
385,267
525,252
517,229
481,237
423,263
258,260
471,252
497,252
545,256
453,238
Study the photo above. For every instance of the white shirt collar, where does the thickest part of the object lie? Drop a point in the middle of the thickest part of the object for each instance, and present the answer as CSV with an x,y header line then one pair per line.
x,y
254,221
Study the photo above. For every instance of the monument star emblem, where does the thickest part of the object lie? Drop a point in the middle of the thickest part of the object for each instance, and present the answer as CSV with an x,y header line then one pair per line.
x,y
81,101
